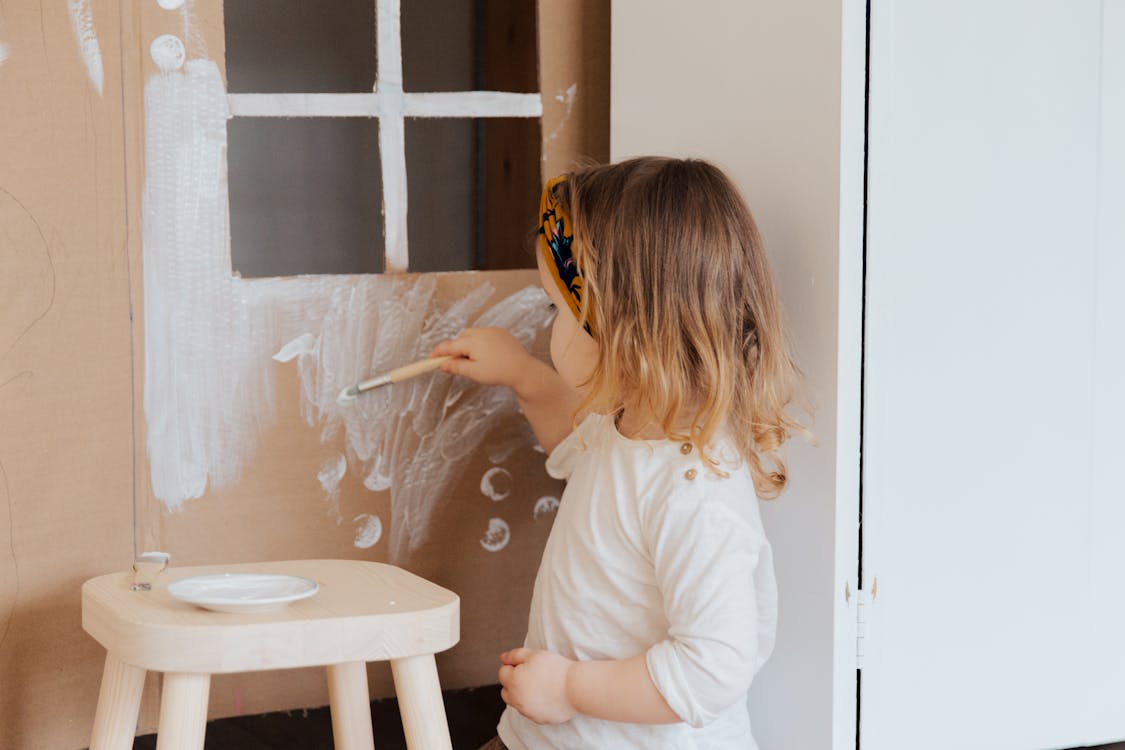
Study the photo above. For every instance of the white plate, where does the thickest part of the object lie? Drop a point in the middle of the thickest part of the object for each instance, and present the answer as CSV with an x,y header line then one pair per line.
x,y
242,592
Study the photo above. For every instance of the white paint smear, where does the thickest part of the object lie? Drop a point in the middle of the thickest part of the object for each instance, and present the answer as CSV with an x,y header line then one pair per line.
x,y
369,532
210,337
167,52
497,536
567,99
496,484
82,22
3,52
169,4
387,104
544,505
331,472
306,343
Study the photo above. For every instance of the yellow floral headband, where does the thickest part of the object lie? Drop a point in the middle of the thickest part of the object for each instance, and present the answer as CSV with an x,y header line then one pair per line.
x,y
556,236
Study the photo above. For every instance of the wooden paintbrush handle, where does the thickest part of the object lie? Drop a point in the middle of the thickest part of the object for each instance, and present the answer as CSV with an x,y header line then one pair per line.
x,y
417,368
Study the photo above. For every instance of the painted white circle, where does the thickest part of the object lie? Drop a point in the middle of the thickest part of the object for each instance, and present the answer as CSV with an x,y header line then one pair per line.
x,y
369,532
544,505
170,4
167,52
496,484
497,536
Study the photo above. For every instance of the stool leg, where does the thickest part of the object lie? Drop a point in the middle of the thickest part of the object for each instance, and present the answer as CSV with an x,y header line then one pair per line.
x,y
419,702
119,702
183,711
351,706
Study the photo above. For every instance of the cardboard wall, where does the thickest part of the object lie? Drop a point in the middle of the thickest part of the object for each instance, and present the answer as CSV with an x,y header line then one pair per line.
x,y
76,499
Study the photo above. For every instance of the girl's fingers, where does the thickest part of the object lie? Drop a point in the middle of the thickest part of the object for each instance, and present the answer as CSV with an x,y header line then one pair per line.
x,y
516,656
505,673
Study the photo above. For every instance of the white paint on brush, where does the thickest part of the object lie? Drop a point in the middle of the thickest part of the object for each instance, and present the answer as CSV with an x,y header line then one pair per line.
x,y
167,51
210,337
544,505
496,484
497,536
82,22
369,531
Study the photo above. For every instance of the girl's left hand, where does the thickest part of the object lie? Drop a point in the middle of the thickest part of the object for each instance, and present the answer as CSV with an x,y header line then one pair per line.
x,y
534,683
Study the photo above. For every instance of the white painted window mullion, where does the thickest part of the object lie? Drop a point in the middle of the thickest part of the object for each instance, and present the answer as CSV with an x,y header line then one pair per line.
x,y
392,135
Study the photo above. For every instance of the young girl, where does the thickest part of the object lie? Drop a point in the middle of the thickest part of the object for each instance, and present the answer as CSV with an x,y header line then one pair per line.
x,y
655,602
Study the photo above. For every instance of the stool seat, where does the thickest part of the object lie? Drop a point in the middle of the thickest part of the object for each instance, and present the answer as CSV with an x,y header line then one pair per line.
x,y
363,611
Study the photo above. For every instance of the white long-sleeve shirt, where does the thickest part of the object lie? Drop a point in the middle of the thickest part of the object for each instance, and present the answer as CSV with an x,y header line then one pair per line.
x,y
653,553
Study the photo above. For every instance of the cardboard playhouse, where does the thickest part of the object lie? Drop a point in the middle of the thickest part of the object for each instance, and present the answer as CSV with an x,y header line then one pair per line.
x,y
204,238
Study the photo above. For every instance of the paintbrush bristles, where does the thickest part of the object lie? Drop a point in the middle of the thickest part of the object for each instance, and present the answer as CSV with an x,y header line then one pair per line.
x,y
348,395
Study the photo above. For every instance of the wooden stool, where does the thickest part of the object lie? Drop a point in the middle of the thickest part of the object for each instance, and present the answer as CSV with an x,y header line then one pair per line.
x,y
363,612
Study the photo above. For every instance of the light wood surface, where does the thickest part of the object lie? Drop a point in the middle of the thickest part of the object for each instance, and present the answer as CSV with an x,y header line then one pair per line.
x,y
364,611
183,711
351,706
119,701
420,703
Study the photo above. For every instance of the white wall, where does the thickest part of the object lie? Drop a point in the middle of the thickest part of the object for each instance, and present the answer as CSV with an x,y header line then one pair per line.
x,y
755,87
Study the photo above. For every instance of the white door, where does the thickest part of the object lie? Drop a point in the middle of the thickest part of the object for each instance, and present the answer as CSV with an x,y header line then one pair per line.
x,y
993,489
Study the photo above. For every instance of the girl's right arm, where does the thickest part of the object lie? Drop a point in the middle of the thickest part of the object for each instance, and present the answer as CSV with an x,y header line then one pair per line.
x,y
493,356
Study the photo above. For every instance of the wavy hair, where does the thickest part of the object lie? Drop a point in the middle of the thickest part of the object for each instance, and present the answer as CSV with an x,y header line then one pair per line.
x,y
690,326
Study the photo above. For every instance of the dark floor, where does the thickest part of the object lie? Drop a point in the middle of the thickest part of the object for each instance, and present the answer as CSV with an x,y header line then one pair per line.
x,y
472,715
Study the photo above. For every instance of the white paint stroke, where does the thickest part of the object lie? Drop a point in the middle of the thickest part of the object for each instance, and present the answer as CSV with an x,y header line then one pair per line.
x,y
567,98
306,343
496,484
388,46
82,22
544,505
497,536
368,533
167,51
4,51
329,476
170,4
392,157
210,337
331,472
394,104
472,104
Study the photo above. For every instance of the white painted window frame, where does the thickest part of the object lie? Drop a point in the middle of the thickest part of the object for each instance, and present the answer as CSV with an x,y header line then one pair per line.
x,y
391,106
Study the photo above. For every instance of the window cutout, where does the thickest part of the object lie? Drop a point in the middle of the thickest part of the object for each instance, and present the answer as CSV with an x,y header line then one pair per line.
x,y
305,196
300,46
454,45
473,193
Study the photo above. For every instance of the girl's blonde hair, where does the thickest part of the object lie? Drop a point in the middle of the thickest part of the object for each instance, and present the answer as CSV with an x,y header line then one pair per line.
x,y
689,323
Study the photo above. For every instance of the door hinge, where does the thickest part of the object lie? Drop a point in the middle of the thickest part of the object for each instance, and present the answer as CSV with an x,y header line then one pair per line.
x,y
862,610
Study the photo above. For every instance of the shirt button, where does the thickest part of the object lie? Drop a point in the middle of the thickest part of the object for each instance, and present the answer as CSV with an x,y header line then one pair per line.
x,y
689,474
685,448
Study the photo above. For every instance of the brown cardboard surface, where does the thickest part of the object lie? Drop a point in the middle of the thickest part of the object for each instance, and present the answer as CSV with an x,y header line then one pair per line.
x,y
73,465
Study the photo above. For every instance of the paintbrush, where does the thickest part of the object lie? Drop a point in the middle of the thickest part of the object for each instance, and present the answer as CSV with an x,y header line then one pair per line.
x,y
348,395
